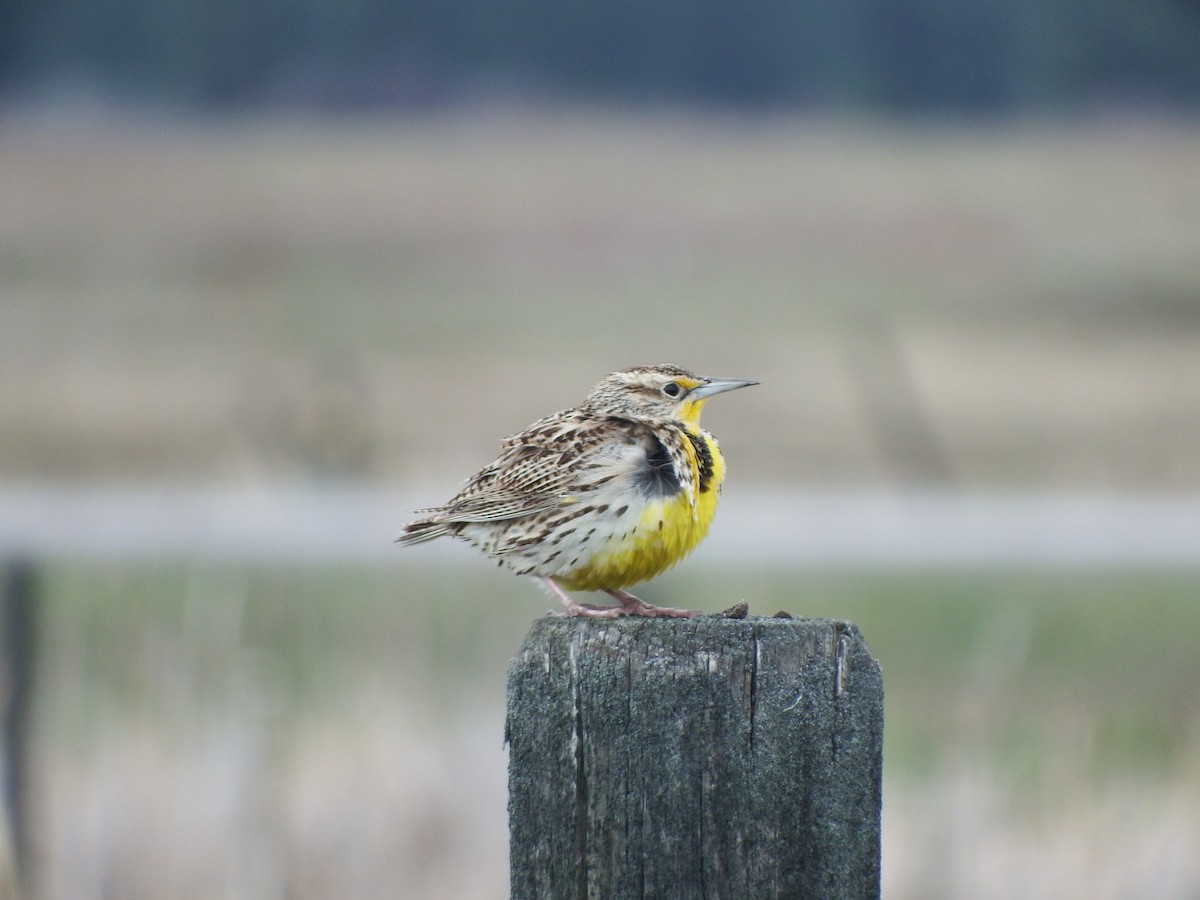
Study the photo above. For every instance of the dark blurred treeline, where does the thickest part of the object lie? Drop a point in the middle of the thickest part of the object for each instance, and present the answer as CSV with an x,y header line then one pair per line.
x,y
888,55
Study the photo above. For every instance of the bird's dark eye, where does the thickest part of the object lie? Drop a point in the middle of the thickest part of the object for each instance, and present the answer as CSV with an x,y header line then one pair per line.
x,y
672,389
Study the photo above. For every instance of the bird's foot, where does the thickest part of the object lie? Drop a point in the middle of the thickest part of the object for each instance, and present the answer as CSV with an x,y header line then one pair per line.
x,y
631,605
575,608
591,611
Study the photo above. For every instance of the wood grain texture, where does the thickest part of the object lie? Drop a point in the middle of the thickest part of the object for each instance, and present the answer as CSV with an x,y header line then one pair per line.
x,y
705,758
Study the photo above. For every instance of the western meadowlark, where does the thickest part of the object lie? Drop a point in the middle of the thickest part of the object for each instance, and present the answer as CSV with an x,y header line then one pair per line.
x,y
600,497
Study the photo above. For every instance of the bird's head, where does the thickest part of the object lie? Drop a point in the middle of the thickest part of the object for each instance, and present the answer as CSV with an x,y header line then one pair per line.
x,y
658,392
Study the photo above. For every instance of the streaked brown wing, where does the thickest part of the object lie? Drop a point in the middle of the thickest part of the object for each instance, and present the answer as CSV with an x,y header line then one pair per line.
x,y
541,469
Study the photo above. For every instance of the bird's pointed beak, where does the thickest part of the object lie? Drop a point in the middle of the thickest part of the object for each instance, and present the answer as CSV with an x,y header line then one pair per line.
x,y
717,386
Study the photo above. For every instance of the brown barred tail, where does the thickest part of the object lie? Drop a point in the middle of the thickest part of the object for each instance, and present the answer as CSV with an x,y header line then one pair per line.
x,y
419,532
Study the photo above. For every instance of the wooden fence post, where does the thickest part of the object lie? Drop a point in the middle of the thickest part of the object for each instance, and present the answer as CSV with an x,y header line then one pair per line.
x,y
694,758
18,647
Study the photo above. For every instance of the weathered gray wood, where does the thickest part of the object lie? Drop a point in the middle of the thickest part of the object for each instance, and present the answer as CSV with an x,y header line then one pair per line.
x,y
18,662
699,758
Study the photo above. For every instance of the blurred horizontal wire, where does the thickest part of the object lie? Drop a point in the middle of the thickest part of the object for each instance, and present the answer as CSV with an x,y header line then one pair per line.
x,y
782,527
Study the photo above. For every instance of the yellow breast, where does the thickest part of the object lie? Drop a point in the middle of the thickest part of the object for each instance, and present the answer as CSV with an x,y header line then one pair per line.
x,y
659,534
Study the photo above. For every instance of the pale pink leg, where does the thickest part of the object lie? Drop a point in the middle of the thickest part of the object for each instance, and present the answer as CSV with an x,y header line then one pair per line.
x,y
574,608
635,607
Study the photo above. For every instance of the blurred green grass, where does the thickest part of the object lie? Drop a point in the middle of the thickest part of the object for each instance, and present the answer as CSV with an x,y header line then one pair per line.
x,y
206,707
998,658
202,708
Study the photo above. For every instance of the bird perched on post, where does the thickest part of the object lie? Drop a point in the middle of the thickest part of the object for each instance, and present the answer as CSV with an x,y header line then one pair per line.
x,y
599,497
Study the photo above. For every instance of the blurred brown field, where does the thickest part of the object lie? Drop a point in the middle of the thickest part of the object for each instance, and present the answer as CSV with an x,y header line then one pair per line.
x,y
999,308
385,299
